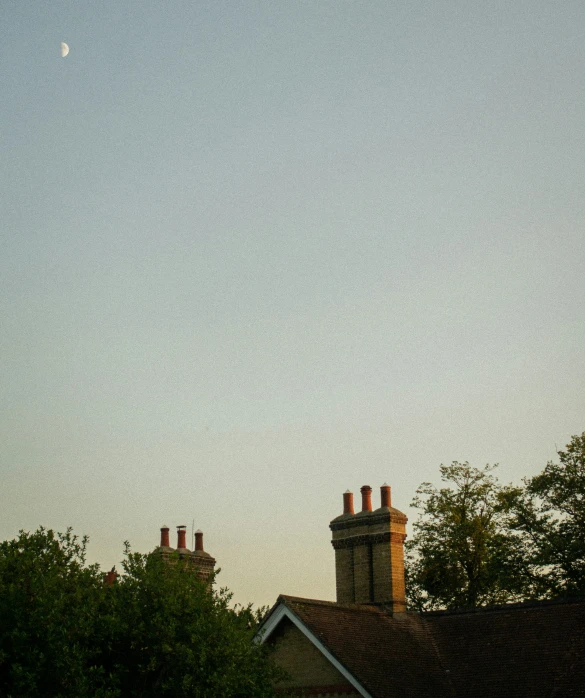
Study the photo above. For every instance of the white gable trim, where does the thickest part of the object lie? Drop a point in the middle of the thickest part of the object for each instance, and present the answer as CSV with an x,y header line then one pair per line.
x,y
283,611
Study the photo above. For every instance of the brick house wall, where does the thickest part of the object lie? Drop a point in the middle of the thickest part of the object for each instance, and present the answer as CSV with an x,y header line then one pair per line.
x,y
311,673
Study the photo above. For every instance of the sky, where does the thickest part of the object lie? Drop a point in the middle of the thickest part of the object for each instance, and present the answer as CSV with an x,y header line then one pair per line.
x,y
256,253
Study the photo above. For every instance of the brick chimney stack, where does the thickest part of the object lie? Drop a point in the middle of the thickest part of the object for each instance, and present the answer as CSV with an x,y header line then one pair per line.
x,y
202,563
369,553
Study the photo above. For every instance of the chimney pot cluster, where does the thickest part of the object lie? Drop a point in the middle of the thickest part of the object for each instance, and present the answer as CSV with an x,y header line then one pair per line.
x,y
181,539
366,491
202,563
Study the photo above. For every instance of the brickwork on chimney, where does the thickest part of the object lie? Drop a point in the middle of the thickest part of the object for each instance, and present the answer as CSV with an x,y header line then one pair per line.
x,y
344,575
203,564
369,553
362,571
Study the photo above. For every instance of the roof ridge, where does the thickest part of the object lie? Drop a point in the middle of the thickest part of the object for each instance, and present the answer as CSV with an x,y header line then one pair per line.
x,y
375,608
502,608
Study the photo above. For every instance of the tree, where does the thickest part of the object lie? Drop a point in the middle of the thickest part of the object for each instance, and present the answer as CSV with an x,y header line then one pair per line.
x,y
51,607
156,631
463,553
178,638
550,513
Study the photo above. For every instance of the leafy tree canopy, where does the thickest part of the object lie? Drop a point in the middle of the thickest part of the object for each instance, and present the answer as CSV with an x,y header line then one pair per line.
x,y
156,631
463,553
550,513
50,616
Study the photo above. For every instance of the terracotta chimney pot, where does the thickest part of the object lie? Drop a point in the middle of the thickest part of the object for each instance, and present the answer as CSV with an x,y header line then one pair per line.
x,y
348,502
164,537
199,540
385,496
181,537
366,491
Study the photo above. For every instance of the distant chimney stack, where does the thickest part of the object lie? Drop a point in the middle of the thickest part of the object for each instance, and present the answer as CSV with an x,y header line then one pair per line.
x,y
202,563
366,491
385,496
348,502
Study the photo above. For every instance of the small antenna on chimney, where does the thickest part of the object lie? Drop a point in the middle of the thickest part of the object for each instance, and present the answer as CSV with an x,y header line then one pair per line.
x,y
193,535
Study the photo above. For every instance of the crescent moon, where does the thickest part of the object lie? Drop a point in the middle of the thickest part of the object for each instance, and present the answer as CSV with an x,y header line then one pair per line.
x,y
64,49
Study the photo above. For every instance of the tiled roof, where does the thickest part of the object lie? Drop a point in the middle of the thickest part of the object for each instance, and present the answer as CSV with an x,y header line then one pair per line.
x,y
522,651
390,657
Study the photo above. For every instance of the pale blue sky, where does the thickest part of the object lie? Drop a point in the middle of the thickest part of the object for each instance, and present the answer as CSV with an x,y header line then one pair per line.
x,y
256,253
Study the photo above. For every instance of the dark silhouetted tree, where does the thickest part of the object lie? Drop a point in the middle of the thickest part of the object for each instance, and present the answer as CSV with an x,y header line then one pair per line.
x,y
463,552
157,630
550,514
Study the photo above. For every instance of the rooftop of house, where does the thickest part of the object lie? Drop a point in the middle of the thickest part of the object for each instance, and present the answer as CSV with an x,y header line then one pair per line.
x,y
531,649
380,650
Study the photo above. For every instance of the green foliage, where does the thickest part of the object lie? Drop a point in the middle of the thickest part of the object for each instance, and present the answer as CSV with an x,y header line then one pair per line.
x,y
50,616
179,639
550,513
157,631
463,553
